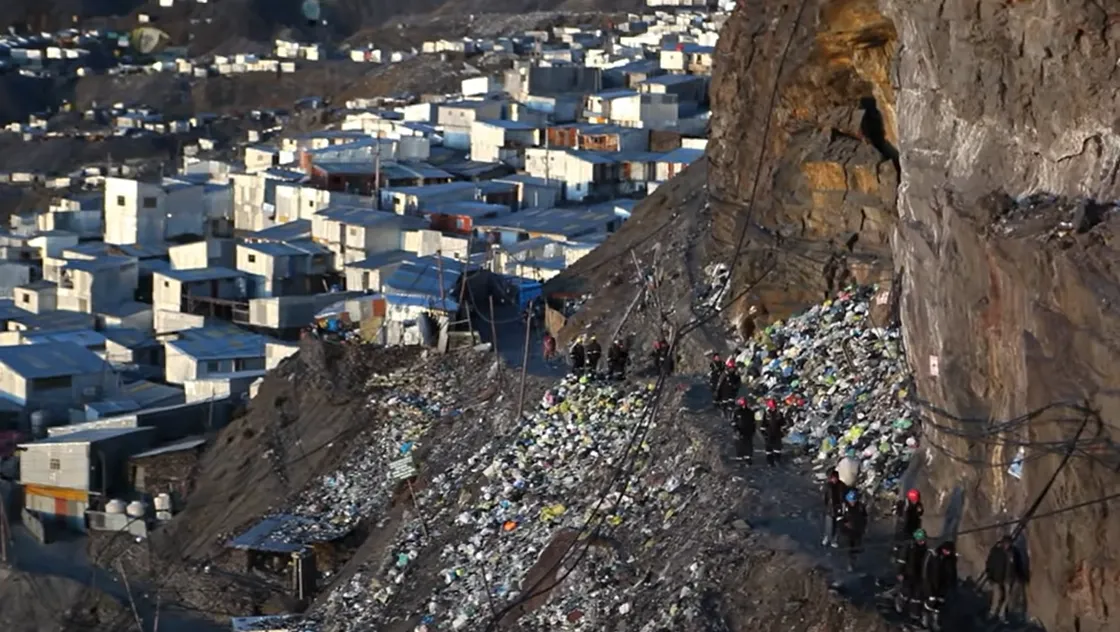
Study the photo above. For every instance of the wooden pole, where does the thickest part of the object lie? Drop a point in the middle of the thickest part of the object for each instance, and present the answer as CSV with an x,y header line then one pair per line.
x,y
3,530
524,361
439,264
493,327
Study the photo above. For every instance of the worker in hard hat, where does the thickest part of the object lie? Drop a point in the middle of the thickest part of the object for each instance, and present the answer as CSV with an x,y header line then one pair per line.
x,y
773,424
834,492
940,580
660,356
853,525
728,388
908,599
578,356
715,371
617,359
594,354
908,516
744,426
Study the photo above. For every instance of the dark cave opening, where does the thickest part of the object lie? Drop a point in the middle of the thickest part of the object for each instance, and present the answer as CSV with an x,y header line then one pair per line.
x,y
874,130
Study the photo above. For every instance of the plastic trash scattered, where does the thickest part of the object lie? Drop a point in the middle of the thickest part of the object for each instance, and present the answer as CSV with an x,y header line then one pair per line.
x,y
842,383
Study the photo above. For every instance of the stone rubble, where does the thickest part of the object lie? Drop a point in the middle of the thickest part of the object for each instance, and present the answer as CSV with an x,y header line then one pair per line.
x,y
843,384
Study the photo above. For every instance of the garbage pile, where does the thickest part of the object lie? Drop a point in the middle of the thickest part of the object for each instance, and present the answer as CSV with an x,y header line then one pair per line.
x,y
360,488
487,525
842,383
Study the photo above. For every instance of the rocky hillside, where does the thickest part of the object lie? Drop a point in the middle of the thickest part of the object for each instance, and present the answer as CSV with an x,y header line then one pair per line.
x,y
966,152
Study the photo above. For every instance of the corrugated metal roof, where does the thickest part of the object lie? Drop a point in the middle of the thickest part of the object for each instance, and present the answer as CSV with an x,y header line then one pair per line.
x,y
84,337
216,344
282,533
212,273
552,221
57,320
384,259
51,359
682,155
422,277
432,189
357,216
92,435
178,446
298,229
102,262
129,337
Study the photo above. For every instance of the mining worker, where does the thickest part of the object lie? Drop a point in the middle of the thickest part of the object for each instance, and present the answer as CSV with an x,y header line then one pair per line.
x,y
660,355
549,343
834,492
773,425
594,354
577,355
715,371
1004,568
853,524
617,358
744,426
940,578
910,575
728,388
908,516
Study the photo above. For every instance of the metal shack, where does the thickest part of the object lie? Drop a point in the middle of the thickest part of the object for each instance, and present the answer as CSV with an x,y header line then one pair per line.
x,y
60,473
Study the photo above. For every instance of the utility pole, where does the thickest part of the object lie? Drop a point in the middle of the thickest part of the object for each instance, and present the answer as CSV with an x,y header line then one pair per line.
x,y
439,264
377,173
4,531
525,360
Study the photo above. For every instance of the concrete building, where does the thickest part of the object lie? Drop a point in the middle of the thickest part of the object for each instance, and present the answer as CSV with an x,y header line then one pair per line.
x,y
138,212
355,234
59,474
221,253
199,353
586,175
502,141
214,292
97,284
284,268
525,79
456,118
54,377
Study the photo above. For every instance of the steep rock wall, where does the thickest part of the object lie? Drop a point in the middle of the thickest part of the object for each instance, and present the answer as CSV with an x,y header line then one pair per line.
x,y
1000,118
1010,264
823,199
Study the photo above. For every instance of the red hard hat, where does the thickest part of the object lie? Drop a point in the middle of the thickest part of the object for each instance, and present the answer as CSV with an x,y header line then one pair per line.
x,y
913,496
731,363
742,401
771,404
715,356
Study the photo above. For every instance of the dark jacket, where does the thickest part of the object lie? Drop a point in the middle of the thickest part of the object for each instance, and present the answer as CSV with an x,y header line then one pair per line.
x,y
744,420
594,351
1004,565
772,422
617,355
728,387
578,354
940,573
853,517
913,560
834,496
909,517
715,372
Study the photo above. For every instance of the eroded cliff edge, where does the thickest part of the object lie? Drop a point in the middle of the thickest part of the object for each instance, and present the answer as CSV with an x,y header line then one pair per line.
x,y
971,150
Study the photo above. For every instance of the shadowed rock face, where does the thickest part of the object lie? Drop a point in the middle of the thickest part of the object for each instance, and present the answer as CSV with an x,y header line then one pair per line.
x,y
1001,119
1010,265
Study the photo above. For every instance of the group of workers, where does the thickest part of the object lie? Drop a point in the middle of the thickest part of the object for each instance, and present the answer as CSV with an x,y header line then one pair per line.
x,y
586,353
724,381
924,574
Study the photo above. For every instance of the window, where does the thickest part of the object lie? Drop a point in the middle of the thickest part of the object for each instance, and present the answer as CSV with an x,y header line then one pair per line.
x,y
26,297
149,202
252,258
56,464
353,230
167,284
120,200
212,366
50,383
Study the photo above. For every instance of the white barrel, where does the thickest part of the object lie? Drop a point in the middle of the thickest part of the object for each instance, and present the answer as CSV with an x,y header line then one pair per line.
x,y
115,506
163,502
137,509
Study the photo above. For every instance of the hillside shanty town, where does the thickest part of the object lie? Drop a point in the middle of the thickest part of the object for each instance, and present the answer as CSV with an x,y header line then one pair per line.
x,y
145,305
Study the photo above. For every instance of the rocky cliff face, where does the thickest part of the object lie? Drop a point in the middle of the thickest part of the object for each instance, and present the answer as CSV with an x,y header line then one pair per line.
x,y
994,122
